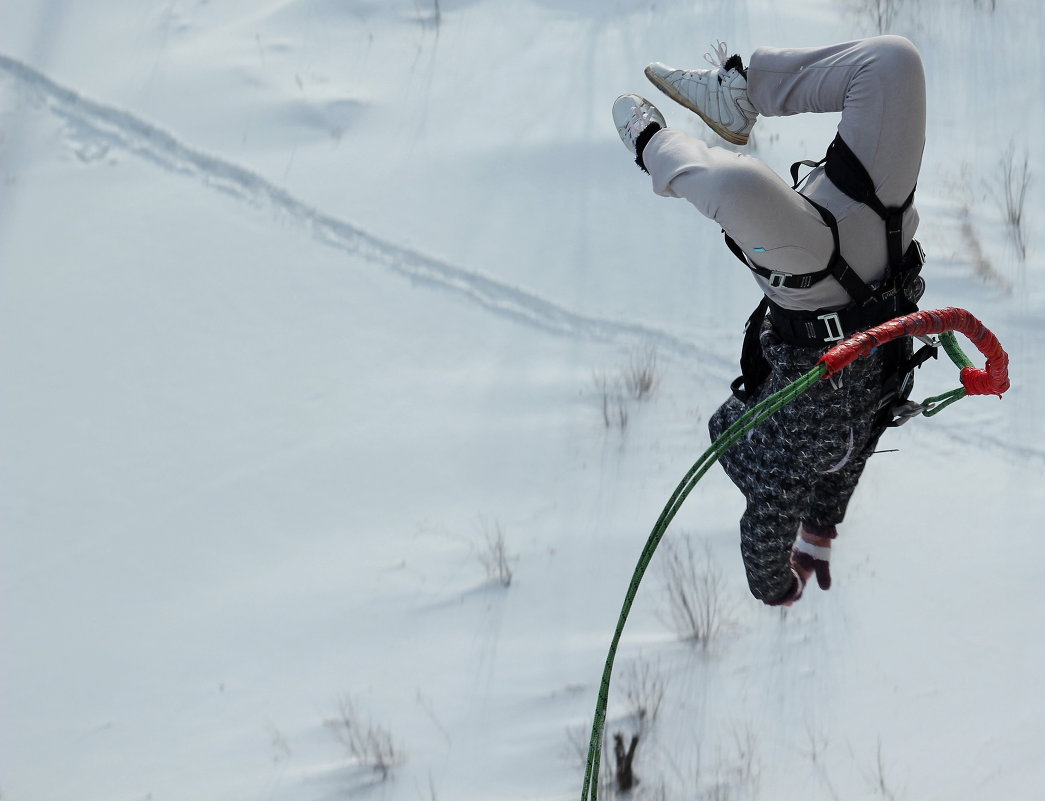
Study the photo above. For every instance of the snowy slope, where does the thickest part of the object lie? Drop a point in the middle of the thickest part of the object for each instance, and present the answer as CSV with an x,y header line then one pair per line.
x,y
301,300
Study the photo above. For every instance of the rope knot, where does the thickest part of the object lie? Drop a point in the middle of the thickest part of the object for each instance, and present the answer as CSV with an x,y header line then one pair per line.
x,y
984,382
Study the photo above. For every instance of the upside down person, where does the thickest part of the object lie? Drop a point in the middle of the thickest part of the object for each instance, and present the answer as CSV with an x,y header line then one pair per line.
x,y
832,255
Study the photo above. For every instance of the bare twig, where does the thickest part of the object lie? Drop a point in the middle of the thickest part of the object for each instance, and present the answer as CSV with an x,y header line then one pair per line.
x,y
880,13
641,376
614,404
644,692
493,554
369,745
1011,191
693,584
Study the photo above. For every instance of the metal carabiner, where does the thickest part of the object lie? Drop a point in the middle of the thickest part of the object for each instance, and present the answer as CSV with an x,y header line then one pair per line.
x,y
907,410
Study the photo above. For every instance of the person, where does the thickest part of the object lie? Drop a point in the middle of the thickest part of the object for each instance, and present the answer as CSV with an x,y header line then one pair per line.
x,y
834,257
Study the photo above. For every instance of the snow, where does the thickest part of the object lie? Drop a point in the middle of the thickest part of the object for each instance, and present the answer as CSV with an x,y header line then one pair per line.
x,y
301,300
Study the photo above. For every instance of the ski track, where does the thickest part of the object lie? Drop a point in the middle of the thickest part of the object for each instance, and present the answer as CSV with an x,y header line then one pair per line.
x,y
117,128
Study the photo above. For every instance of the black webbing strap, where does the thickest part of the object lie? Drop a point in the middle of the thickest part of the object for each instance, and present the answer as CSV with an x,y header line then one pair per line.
x,y
805,163
754,368
775,277
851,282
838,267
847,173
820,328
897,295
734,248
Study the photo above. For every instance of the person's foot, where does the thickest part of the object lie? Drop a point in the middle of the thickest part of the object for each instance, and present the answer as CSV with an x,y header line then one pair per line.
x,y
718,96
637,120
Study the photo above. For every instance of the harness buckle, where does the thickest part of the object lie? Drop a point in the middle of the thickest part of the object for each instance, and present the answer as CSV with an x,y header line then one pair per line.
x,y
777,279
916,253
834,327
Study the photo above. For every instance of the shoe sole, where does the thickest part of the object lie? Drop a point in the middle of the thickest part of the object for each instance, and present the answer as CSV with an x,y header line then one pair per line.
x,y
674,94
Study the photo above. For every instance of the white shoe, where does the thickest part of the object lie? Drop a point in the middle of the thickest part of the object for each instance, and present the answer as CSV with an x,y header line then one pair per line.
x,y
718,96
633,115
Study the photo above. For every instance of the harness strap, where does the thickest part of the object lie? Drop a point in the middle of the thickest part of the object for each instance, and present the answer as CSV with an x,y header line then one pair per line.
x,y
804,163
754,367
898,295
851,282
775,277
847,172
837,266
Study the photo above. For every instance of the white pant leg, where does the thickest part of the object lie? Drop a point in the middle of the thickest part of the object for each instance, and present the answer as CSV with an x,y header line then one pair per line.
x,y
879,86
755,206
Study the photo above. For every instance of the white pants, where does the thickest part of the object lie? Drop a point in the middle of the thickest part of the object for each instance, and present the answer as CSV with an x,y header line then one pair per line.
x,y
879,86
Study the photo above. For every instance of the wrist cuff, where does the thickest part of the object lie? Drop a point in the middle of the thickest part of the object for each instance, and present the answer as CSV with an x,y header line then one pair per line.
x,y
827,532
821,553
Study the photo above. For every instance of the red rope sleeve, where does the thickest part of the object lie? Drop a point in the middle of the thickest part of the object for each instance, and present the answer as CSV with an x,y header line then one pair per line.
x,y
990,380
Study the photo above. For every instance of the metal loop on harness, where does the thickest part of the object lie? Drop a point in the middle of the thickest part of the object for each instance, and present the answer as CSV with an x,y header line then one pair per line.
x,y
777,279
834,327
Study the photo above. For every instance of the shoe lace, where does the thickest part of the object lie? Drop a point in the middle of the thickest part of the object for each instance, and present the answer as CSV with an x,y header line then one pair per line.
x,y
721,55
637,122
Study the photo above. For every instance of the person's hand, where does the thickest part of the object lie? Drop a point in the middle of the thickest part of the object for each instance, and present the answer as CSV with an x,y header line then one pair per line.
x,y
811,554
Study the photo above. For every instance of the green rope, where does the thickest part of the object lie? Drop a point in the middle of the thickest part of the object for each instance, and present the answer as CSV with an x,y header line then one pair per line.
x,y
937,403
950,344
731,435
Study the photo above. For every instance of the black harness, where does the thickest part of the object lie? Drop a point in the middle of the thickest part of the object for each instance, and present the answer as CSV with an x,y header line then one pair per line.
x,y
895,295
